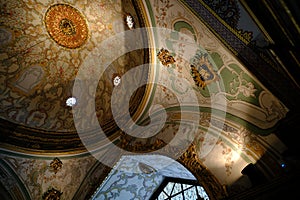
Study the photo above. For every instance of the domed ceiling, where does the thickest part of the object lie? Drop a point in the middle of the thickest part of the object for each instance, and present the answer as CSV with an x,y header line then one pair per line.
x,y
51,54
43,44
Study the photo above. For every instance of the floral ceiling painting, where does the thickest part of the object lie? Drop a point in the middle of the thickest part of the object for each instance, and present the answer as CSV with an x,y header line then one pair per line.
x,y
218,117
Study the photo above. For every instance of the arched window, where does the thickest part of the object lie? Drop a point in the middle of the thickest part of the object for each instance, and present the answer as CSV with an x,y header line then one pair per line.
x,y
146,177
176,188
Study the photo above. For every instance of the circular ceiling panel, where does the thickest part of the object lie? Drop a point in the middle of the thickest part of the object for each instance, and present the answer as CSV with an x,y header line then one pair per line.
x,y
66,25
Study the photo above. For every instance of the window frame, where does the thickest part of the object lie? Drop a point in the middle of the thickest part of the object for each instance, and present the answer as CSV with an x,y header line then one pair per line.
x,y
167,180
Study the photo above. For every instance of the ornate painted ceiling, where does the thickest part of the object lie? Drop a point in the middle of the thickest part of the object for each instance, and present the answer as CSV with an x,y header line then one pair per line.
x,y
44,44
146,72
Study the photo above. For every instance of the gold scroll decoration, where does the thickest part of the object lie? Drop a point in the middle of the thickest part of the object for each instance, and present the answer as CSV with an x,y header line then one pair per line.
x,y
165,57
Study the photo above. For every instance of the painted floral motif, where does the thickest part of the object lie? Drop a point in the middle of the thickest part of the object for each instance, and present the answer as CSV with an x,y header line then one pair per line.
x,y
227,154
162,6
39,177
126,177
38,65
233,83
239,85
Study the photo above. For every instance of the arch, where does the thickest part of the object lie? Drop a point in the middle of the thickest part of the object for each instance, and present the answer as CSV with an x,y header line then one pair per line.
x,y
139,176
172,188
92,181
10,183
179,25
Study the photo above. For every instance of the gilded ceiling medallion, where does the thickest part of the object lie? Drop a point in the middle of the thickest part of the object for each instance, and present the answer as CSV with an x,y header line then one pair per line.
x,y
66,26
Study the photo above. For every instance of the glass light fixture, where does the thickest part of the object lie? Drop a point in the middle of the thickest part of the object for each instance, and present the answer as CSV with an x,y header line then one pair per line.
x,y
129,21
71,101
116,80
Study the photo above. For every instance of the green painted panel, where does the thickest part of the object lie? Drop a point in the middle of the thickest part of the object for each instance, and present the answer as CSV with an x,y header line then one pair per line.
x,y
217,59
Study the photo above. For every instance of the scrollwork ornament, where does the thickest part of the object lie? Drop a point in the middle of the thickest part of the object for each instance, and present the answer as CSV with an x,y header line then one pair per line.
x,y
56,165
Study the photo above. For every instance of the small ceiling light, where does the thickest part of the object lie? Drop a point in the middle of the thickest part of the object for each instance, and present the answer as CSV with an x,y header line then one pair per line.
x,y
71,101
117,80
129,21
283,165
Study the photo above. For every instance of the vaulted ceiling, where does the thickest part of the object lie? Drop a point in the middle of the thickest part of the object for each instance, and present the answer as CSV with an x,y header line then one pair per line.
x,y
211,84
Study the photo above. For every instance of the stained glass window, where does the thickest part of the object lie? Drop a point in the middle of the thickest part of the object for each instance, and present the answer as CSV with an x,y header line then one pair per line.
x,y
179,189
